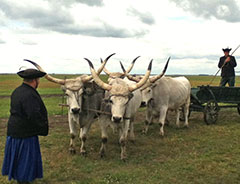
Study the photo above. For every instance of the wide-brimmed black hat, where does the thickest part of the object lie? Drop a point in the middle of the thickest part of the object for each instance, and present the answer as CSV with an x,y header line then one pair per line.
x,y
226,50
31,74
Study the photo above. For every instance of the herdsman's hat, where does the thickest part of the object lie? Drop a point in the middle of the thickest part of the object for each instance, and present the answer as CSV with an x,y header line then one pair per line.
x,y
227,49
31,73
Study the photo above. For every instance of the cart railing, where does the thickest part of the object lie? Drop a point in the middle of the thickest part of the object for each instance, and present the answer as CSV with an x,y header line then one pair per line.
x,y
218,94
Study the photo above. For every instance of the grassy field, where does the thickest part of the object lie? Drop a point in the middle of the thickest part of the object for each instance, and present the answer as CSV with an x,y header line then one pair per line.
x,y
9,82
197,155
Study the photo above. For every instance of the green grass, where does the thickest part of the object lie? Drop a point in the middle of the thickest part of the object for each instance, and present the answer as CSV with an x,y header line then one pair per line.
x,y
9,82
197,155
4,107
52,105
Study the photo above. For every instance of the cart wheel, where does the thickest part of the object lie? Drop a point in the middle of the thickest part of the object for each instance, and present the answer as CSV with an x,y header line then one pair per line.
x,y
211,112
238,108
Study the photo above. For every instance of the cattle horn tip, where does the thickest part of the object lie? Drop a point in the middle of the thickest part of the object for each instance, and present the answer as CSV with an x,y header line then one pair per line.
x,y
89,62
150,65
123,69
110,56
135,59
165,68
28,60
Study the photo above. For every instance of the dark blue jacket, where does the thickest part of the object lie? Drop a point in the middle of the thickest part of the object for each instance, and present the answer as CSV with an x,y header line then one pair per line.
x,y
28,114
228,68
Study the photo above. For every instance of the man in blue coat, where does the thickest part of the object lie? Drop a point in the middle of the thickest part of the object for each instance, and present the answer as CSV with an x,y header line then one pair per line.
x,y
227,63
28,119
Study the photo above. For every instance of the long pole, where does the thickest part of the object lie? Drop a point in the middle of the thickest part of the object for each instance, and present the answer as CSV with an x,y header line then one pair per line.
x,y
222,66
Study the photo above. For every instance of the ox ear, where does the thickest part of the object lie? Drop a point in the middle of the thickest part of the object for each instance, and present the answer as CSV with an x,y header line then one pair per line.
x,y
107,100
130,95
63,88
154,85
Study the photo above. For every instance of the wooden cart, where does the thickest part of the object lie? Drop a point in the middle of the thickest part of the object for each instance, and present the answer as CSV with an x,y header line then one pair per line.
x,y
210,99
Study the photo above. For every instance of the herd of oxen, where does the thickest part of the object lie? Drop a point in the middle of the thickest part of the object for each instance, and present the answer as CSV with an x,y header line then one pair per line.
x,y
115,102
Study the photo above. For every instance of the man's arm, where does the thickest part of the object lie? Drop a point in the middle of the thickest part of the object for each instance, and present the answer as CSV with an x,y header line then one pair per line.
x,y
221,61
232,61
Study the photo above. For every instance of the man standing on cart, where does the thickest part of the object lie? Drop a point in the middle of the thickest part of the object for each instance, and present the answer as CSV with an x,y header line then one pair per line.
x,y
227,63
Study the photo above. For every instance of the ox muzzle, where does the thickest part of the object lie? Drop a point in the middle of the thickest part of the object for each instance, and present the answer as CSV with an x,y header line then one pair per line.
x,y
75,110
117,119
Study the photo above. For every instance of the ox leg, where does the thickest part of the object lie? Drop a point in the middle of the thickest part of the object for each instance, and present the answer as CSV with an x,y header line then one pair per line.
x,y
163,113
83,136
148,121
177,116
123,139
166,120
186,112
132,135
73,134
103,126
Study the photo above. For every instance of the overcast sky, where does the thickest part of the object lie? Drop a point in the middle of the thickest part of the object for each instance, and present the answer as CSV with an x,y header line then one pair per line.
x,y
58,34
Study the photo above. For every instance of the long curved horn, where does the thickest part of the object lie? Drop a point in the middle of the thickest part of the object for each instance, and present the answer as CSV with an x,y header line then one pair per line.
x,y
153,79
104,63
105,70
131,66
47,76
85,79
126,72
130,77
143,80
96,78
123,69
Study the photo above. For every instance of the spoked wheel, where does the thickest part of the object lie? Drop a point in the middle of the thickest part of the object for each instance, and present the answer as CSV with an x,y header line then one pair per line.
x,y
238,108
211,112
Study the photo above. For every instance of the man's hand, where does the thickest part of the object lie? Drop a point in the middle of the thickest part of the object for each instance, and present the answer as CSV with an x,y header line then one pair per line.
x,y
228,59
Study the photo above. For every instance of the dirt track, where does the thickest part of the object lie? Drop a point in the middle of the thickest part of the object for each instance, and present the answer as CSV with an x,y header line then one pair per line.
x,y
53,121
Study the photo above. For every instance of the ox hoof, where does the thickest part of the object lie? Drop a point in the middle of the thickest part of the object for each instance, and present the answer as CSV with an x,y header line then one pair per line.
x,y
161,134
102,154
144,132
132,141
72,151
83,153
124,159
185,126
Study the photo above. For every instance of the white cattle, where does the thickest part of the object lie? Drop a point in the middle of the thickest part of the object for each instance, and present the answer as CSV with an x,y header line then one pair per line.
x,y
166,94
74,90
162,94
137,96
124,99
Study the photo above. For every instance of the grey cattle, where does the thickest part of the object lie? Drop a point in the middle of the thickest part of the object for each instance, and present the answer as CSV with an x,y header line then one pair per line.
x,y
124,101
79,100
166,94
162,94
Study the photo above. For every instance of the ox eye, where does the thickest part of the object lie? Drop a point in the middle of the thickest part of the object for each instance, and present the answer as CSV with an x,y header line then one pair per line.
x,y
110,101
